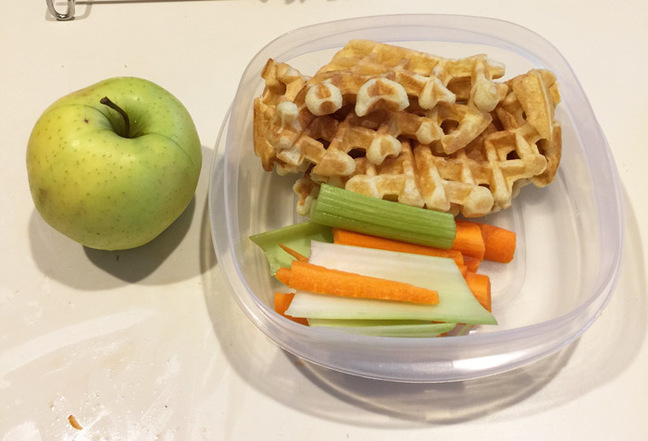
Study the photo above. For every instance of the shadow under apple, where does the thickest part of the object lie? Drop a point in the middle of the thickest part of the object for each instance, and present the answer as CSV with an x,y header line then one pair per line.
x,y
83,268
136,264
75,265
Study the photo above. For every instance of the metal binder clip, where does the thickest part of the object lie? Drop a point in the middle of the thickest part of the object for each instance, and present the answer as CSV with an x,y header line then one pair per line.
x,y
68,15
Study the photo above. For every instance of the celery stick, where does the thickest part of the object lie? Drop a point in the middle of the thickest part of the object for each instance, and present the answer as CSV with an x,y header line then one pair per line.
x,y
297,237
341,208
357,323
386,328
456,302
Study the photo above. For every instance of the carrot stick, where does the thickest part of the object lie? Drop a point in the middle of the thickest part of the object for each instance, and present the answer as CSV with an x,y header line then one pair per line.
x,y
480,286
471,263
469,240
283,275
282,302
500,243
318,279
346,237
293,253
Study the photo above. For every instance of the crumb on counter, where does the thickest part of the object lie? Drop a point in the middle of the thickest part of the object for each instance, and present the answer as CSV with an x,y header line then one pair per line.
x,y
74,423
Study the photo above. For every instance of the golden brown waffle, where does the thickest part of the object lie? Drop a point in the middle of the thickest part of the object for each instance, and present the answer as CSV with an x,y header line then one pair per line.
x,y
380,77
427,79
399,124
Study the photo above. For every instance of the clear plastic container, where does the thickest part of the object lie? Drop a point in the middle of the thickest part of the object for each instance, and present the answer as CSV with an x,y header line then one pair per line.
x,y
570,234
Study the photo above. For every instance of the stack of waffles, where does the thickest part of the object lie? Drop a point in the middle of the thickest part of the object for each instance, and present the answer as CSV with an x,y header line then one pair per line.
x,y
403,125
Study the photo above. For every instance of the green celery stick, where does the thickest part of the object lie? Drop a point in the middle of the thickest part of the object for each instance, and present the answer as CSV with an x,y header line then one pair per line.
x,y
297,237
337,207
386,328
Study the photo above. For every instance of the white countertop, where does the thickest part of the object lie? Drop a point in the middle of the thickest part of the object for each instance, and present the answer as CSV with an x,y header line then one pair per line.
x,y
151,347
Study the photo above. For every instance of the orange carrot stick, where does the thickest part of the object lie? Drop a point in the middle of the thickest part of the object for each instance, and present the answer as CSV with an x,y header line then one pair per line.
x,y
471,263
469,240
346,237
480,286
283,275
282,302
318,279
293,253
500,243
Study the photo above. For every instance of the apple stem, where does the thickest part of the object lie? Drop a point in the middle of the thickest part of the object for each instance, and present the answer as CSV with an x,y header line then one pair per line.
x,y
106,101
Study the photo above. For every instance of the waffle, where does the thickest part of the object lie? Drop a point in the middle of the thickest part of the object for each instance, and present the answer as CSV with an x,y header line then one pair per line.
x,y
426,78
398,124
380,77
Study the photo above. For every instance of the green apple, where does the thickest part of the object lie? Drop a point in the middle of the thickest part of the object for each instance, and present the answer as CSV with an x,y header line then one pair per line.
x,y
114,164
